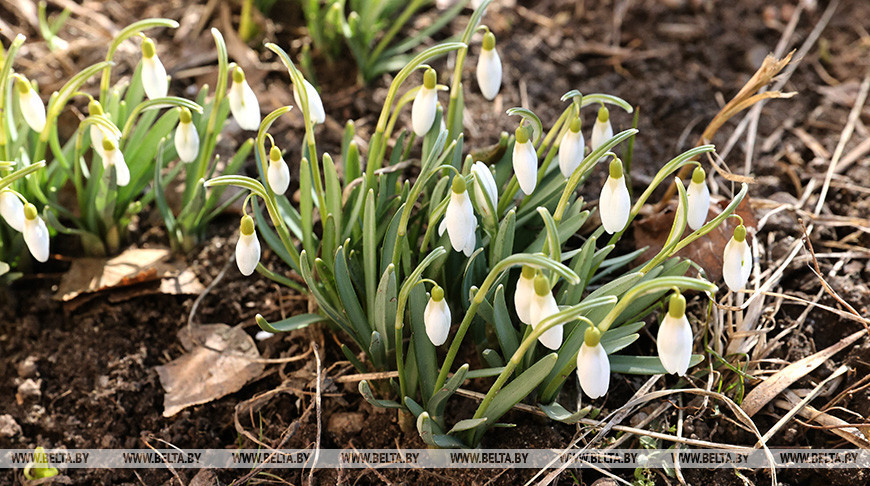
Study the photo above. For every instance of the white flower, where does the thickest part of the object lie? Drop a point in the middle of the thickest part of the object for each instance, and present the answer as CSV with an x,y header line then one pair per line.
x,y
278,173
263,335
12,210
31,106
593,365
489,68
248,247
425,105
674,339
459,219
35,233
112,157
485,190
698,196
602,131
243,102
737,260
525,160
96,131
614,205
523,295
186,138
437,317
315,104
542,306
571,149
154,79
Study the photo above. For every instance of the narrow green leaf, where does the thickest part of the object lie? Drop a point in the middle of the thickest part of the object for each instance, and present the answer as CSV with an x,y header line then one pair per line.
x,y
290,324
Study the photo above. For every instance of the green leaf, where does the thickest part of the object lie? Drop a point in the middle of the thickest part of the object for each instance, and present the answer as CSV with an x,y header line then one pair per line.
x,y
436,405
466,424
385,307
349,299
492,358
643,365
557,412
290,324
425,351
366,392
504,328
430,433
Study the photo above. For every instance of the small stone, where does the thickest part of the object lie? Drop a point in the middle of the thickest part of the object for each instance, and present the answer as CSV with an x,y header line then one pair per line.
x,y
345,423
205,477
27,368
29,389
8,426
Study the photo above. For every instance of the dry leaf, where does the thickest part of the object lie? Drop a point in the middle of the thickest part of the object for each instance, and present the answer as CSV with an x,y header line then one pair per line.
x,y
220,360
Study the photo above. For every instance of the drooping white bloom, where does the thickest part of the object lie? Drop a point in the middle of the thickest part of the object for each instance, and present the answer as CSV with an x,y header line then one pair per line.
x,y
485,190
315,104
97,134
35,233
674,339
525,161
602,131
425,105
243,102
737,260
30,104
263,335
542,306
698,196
614,205
436,317
12,210
524,293
248,247
112,157
593,365
571,149
154,79
459,219
278,173
489,68
186,138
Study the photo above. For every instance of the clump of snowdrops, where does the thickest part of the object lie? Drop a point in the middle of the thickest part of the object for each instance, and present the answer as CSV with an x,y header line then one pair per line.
x,y
476,255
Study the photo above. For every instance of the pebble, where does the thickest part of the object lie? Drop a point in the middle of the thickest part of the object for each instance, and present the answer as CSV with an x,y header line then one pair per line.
x,y
29,389
8,426
27,368
345,423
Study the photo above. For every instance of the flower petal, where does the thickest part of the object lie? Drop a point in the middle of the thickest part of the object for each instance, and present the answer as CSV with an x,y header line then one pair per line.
x,y
12,210
571,151
154,79
186,142
247,253
423,110
614,205
593,370
489,72
279,176
36,236
525,162
698,196
674,344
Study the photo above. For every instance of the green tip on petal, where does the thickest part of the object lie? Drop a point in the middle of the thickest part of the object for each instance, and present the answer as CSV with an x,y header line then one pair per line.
x,y
603,114
542,285
238,75
108,145
437,294
698,175
23,85
615,168
148,50
488,41
275,154
576,124
247,226
740,233
522,135
30,211
592,336
185,116
529,271
95,108
430,78
677,305
459,184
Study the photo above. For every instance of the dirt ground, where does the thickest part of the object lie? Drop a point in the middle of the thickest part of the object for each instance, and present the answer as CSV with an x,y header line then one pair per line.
x,y
678,60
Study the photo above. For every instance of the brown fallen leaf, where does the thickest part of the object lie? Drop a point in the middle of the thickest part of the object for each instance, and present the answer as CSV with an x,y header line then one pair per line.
x,y
220,360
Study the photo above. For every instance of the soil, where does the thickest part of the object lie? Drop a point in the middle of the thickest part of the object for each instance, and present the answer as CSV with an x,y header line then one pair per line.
x,y
678,60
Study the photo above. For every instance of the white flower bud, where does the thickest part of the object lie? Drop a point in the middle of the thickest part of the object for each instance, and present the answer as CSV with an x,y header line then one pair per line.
x,y
737,260
674,339
243,102
614,205
485,190
30,104
593,365
602,131
12,210
698,196
278,173
489,68
542,306
112,157
525,161
248,247
35,233
524,293
425,105
186,137
571,149
315,104
154,79
459,220
436,317
263,335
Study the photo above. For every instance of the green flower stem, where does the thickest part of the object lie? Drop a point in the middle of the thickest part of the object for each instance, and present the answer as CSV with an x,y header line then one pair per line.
x,y
125,34
396,26
156,104
262,270
654,285
5,72
456,82
18,174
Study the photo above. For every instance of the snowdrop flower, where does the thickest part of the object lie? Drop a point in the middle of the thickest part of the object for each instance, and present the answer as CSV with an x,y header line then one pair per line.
x,y
459,219
248,247
437,317
602,131
154,79
525,160
278,173
35,233
263,335
699,199
31,106
571,149
614,204
542,306
593,365
523,295
737,260
243,102
315,104
674,339
485,190
97,133
12,210
489,68
186,138
112,157
425,105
